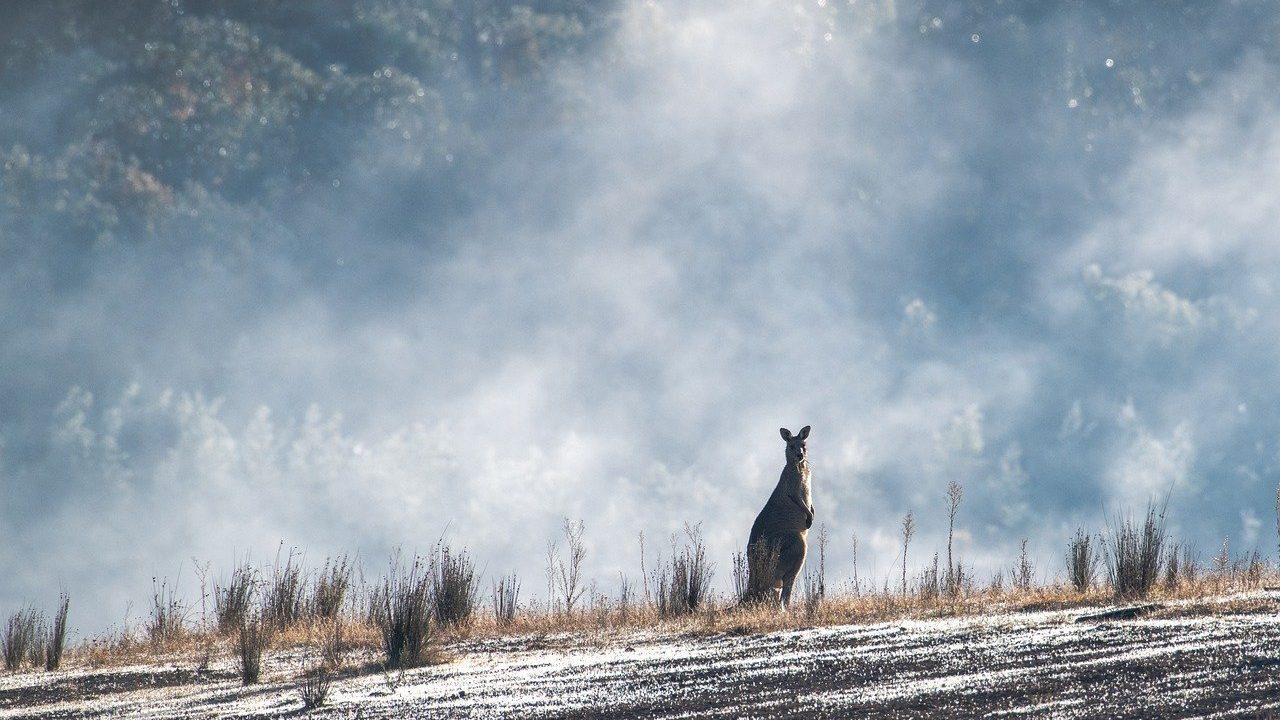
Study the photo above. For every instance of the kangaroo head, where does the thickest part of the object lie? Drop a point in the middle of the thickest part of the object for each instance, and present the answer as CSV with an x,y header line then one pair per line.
x,y
796,452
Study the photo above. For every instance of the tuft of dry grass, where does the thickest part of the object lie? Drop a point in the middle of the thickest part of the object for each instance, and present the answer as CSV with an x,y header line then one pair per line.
x,y
1135,554
20,637
314,689
401,609
231,602
330,589
283,602
454,588
506,596
1082,561
167,622
684,584
57,635
255,637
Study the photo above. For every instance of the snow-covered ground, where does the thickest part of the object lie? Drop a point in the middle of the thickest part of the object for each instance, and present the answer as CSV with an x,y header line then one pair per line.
x,y
1038,664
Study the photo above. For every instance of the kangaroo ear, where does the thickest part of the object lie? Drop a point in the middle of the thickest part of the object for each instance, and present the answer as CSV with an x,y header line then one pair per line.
x,y
786,434
804,433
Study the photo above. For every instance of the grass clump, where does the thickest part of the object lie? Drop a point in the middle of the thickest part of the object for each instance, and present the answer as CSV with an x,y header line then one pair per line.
x,y
167,620
685,584
454,588
314,689
1082,561
401,610
231,603
283,603
21,634
255,637
752,571
1134,554
506,595
330,589
56,638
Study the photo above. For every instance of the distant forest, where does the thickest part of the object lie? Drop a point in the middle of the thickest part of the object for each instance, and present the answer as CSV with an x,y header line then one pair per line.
x,y
175,122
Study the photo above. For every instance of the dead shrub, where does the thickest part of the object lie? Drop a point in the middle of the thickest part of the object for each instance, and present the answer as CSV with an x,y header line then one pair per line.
x,y
1023,574
929,582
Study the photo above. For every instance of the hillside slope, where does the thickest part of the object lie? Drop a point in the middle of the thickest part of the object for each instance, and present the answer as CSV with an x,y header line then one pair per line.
x,y
1179,663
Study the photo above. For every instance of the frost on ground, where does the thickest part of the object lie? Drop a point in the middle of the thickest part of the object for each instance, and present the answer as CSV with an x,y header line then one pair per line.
x,y
1041,664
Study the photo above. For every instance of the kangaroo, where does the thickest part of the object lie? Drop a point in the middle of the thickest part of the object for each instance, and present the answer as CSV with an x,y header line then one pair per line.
x,y
779,537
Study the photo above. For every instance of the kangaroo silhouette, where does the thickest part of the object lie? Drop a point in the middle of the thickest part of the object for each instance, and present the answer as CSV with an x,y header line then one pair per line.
x,y
779,537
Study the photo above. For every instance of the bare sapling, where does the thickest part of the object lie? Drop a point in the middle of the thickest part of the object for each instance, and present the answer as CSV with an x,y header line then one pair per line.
x,y
955,491
569,575
644,576
1023,571
553,559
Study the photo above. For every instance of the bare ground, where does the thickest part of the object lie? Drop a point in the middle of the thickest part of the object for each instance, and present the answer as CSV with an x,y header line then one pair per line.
x,y
1214,660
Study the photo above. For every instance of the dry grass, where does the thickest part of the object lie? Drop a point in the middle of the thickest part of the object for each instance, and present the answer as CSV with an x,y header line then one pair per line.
x,y
358,638
231,602
21,638
167,621
56,639
401,610
255,637
314,689
398,624
331,586
1135,554
454,587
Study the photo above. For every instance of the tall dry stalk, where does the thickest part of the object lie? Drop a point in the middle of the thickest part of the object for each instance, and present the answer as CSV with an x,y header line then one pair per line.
x,y
856,587
908,529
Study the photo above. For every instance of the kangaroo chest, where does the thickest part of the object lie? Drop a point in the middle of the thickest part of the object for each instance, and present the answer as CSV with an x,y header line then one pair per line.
x,y
791,499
